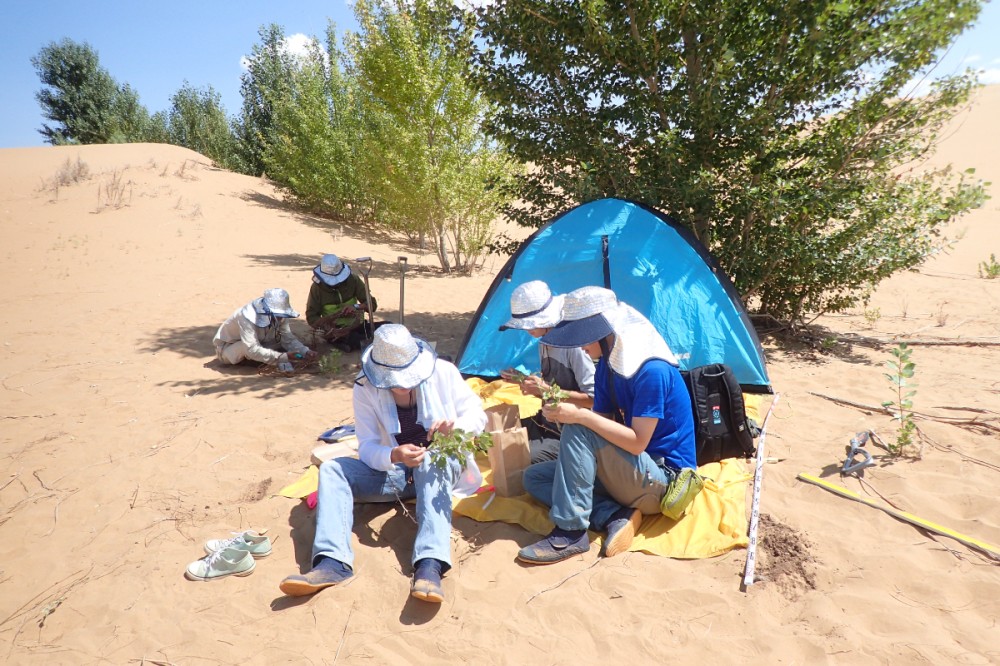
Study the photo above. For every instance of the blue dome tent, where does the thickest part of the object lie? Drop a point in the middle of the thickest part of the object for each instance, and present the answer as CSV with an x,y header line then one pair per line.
x,y
651,262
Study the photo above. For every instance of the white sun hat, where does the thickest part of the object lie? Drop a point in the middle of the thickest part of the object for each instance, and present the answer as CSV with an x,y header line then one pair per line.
x,y
591,314
331,270
532,305
274,303
397,359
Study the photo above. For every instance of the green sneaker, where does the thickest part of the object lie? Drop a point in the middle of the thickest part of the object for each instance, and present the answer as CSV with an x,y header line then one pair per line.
x,y
222,563
250,541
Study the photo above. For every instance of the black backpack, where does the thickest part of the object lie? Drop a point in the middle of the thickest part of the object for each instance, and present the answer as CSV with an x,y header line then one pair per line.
x,y
721,427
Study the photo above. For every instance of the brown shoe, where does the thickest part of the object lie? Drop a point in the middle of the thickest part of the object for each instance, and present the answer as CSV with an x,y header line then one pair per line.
x,y
621,531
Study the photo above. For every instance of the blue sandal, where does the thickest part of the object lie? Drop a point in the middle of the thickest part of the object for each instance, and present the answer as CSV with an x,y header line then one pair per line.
x,y
559,545
336,434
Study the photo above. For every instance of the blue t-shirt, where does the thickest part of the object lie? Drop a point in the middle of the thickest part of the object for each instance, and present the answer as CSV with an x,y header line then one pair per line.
x,y
657,391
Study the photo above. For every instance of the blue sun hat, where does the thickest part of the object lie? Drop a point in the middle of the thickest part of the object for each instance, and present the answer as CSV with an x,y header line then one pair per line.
x,y
331,271
593,313
586,318
397,359
274,303
532,305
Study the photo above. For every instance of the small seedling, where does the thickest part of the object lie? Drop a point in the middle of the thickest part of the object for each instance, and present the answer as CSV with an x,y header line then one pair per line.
x,y
872,316
828,343
330,363
901,378
457,444
989,270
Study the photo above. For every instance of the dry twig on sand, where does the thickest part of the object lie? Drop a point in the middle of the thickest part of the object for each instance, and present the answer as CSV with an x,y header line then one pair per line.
x,y
925,342
982,426
540,592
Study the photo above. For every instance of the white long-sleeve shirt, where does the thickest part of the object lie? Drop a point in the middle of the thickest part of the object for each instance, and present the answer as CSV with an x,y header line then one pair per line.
x,y
443,396
242,326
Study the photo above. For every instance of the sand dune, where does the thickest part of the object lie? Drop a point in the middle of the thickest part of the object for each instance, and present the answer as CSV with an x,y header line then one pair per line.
x,y
124,446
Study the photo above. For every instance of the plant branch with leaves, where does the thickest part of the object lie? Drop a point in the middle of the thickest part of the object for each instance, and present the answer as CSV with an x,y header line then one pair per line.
x,y
457,444
901,377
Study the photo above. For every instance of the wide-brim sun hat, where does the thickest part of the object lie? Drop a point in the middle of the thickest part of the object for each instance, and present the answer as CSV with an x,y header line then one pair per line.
x,y
331,270
586,318
532,305
397,359
274,303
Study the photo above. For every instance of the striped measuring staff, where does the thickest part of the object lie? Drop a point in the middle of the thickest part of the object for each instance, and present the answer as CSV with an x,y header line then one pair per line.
x,y
755,502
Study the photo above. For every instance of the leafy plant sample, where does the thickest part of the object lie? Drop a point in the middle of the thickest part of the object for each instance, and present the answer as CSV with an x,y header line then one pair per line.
x,y
516,376
901,378
553,395
457,444
330,362
989,269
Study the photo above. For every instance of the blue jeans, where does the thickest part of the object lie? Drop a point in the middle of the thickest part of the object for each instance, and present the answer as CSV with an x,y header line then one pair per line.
x,y
592,479
344,481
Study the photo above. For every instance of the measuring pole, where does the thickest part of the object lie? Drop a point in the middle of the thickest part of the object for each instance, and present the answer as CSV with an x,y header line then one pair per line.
x,y
402,279
755,503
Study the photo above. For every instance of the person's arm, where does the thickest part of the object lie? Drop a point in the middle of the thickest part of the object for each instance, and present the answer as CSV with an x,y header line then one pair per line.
x,y
583,371
314,306
289,342
469,414
371,450
256,351
634,439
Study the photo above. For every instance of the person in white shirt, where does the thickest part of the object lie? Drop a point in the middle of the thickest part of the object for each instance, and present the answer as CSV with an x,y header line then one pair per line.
x,y
402,396
259,331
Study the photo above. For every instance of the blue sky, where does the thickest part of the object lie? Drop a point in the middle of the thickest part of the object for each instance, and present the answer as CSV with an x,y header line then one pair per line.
x,y
155,47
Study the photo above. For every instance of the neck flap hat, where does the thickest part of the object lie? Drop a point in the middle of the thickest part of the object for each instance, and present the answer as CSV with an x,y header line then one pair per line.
x,y
532,305
397,359
591,314
331,270
274,303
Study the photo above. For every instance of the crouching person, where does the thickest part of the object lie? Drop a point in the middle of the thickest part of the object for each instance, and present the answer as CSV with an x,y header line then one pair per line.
x,y
616,461
259,331
403,395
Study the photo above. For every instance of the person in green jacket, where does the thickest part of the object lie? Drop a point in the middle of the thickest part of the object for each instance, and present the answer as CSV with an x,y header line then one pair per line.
x,y
337,304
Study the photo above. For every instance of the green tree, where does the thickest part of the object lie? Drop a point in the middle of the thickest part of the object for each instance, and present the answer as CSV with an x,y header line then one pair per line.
x,y
780,133
269,70
196,120
315,133
426,163
82,98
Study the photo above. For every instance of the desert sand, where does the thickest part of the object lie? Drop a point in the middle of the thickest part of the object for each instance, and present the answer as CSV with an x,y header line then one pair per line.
x,y
124,446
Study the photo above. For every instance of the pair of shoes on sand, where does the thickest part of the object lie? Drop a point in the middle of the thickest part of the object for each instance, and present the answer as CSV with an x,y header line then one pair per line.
x,y
329,572
235,556
563,544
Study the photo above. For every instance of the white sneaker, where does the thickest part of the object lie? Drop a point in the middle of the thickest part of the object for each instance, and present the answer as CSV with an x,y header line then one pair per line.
x,y
251,541
226,562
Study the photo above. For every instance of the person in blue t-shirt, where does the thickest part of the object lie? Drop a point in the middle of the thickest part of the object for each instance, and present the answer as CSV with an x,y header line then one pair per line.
x,y
617,460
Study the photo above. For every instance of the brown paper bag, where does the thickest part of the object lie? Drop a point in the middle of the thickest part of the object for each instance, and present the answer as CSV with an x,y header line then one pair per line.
x,y
502,417
509,456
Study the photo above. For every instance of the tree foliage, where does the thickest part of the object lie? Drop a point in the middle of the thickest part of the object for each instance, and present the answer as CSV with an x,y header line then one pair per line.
x,y
431,170
269,70
82,98
386,129
315,134
197,120
780,133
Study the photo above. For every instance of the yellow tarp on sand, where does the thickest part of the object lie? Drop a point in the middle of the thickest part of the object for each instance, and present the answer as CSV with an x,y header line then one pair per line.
x,y
715,524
